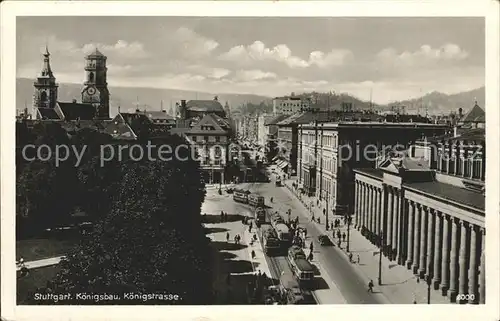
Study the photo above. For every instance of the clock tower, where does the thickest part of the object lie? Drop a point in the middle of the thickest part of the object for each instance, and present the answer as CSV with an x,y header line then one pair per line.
x,y
45,95
95,90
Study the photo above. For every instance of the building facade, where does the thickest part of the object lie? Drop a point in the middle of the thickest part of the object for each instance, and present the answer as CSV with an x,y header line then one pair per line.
x,y
328,153
426,209
289,105
211,139
262,129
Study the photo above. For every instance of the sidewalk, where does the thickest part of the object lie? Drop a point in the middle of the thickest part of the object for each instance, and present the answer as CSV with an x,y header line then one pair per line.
x,y
41,263
399,285
259,263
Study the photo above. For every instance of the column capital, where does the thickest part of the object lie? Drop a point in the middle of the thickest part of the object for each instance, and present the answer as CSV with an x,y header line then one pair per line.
x,y
474,227
462,223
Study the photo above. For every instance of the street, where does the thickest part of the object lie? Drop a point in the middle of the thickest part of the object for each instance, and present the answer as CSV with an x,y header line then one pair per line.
x,y
339,281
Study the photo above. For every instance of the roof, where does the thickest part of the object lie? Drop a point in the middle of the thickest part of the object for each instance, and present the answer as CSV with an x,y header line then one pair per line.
x,y
48,113
74,111
204,105
304,265
450,192
208,120
476,114
95,54
120,130
374,172
130,117
471,134
275,120
156,115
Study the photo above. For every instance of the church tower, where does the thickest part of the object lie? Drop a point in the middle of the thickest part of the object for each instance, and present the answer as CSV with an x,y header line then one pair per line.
x,y
45,95
95,90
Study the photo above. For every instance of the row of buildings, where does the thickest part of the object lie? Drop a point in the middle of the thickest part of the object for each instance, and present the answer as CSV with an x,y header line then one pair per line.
x,y
413,186
205,124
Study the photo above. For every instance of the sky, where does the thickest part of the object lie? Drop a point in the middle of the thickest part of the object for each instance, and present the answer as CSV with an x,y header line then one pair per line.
x,y
393,58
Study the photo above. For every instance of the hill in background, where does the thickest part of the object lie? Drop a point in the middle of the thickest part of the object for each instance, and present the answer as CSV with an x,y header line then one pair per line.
x,y
150,98
127,97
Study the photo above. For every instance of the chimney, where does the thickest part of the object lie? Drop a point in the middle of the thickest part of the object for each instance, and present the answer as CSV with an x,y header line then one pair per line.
x,y
216,98
460,113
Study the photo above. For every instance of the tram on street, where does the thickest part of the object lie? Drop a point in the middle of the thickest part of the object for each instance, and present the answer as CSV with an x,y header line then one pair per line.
x,y
241,195
283,233
301,267
256,200
260,215
270,241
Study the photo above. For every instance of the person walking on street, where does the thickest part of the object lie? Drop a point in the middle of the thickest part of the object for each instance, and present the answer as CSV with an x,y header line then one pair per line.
x,y
253,254
350,257
311,247
227,237
250,227
221,216
343,236
370,286
271,199
358,258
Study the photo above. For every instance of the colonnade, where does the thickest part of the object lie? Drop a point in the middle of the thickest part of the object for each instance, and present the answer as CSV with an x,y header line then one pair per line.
x,y
438,247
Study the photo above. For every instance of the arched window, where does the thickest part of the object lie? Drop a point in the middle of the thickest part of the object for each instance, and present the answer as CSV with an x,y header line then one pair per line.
x,y
43,96
91,76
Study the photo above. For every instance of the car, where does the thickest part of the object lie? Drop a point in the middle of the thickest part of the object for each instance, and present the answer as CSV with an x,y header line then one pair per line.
x,y
324,240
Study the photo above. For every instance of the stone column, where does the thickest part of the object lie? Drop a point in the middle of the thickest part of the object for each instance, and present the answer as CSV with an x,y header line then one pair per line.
x,y
359,220
377,212
356,202
365,205
388,230
374,213
445,262
369,211
395,222
401,234
482,276
372,210
430,243
416,238
473,293
454,259
423,242
438,247
463,266
411,233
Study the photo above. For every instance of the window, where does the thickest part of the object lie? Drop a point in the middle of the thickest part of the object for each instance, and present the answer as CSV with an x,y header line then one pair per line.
x,y
217,139
91,76
194,138
43,96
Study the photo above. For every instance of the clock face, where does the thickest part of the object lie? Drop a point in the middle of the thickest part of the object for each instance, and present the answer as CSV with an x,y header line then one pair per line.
x,y
91,90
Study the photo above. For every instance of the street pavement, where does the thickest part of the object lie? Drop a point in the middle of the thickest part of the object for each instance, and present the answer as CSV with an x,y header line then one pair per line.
x,y
233,259
399,285
345,285
41,263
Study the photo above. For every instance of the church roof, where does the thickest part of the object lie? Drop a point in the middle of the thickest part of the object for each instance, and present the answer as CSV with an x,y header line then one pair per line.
x,y
74,111
47,113
476,114
204,106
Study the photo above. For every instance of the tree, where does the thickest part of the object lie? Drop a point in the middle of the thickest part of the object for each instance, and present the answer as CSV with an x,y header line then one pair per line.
x,y
152,241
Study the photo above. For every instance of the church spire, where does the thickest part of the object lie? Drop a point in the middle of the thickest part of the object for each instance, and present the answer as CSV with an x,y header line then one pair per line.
x,y
46,70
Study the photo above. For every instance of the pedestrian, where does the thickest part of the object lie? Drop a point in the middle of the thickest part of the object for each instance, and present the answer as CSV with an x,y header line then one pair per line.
x,y
370,286
343,236
236,239
227,237
338,234
319,220
271,199
311,246
250,227
312,219
358,258
221,216
253,254
350,257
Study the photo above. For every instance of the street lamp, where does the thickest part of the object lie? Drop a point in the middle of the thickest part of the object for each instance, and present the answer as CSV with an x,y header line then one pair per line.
x,y
326,212
381,245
